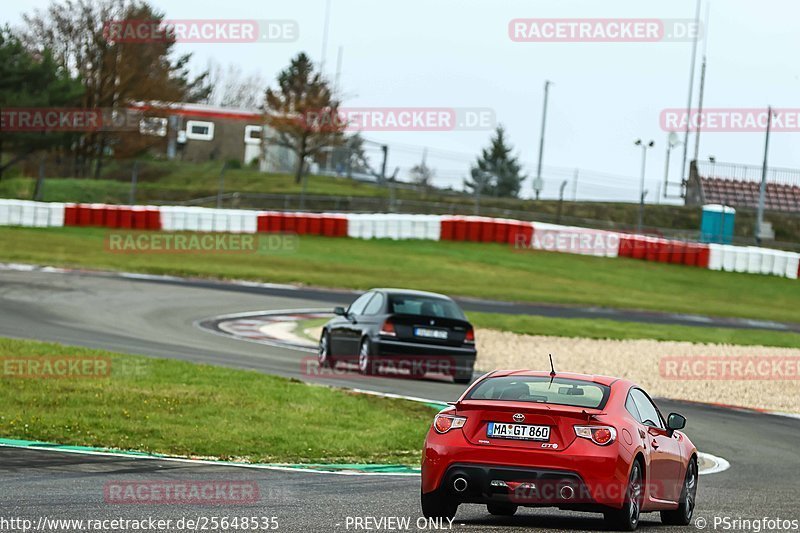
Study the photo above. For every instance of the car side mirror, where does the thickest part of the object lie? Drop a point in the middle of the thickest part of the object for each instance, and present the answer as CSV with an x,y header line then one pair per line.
x,y
339,310
675,422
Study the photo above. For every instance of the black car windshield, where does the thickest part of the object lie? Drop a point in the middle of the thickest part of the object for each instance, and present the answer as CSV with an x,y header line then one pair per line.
x,y
572,392
407,304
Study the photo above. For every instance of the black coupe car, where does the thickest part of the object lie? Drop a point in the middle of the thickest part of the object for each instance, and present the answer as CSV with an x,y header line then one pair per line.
x,y
419,332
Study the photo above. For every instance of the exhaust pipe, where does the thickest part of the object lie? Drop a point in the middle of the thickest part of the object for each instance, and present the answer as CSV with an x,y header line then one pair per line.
x,y
460,484
567,492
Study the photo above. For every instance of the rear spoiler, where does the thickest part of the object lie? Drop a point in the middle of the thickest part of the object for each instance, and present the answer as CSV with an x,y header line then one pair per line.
x,y
555,409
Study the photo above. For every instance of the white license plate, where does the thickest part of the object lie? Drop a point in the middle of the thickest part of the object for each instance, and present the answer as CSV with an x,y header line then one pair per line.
x,y
500,430
430,333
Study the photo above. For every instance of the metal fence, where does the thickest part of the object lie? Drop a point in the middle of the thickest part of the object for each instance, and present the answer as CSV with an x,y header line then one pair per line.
x,y
783,176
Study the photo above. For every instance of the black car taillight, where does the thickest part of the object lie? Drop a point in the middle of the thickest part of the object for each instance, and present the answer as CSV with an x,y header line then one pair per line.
x,y
469,338
388,328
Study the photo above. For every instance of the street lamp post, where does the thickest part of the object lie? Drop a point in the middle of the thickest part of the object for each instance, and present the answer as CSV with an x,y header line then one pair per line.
x,y
538,179
672,141
641,185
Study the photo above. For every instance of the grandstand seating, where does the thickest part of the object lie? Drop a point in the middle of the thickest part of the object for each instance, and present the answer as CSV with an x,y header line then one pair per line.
x,y
740,193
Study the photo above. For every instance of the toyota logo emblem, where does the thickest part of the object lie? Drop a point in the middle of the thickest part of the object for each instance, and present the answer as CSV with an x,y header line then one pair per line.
x,y
519,417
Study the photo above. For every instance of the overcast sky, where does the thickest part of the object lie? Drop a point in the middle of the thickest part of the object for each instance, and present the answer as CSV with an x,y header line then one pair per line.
x,y
457,53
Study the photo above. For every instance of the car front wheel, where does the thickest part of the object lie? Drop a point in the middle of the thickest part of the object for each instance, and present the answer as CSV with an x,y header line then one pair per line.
x,y
324,351
365,362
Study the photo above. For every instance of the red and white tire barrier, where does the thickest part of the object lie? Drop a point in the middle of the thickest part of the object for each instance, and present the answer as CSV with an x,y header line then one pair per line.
x,y
517,233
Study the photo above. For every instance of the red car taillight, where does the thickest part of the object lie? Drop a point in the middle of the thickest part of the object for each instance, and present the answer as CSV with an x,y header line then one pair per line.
x,y
444,423
469,338
388,329
600,435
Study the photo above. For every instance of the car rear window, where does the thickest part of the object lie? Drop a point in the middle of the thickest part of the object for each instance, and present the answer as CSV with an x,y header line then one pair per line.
x,y
572,392
425,306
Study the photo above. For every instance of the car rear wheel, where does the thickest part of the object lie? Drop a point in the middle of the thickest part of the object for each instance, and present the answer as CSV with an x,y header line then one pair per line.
x,y
682,516
436,505
627,518
365,362
324,351
501,509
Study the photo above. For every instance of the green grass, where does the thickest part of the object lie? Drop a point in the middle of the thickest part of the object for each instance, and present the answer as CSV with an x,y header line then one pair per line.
x,y
174,407
456,268
311,323
182,187
610,329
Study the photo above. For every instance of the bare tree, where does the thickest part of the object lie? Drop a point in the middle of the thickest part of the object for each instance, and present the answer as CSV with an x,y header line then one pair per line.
x,y
230,87
422,175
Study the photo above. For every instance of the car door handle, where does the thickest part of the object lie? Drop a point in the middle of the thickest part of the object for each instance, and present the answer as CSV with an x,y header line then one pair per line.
x,y
654,444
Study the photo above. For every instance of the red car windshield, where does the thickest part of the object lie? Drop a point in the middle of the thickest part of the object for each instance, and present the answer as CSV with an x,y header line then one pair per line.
x,y
572,392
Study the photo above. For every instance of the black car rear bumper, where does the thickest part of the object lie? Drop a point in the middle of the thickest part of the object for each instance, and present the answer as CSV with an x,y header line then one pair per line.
x,y
434,358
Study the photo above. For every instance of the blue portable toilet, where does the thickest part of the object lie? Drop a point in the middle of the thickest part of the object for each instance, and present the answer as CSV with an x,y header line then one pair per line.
x,y
717,224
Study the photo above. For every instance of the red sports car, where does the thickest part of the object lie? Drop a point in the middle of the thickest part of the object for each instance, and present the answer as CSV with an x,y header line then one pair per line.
x,y
573,441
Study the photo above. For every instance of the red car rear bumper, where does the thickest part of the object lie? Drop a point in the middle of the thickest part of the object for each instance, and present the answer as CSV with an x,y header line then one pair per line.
x,y
598,475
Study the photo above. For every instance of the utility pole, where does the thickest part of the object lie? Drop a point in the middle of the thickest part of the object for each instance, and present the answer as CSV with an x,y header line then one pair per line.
x,y
325,36
640,218
700,110
672,141
547,84
385,150
392,182
762,191
575,186
337,80
691,93
702,88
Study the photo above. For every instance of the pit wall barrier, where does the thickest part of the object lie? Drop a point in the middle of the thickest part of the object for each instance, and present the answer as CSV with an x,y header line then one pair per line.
x,y
520,234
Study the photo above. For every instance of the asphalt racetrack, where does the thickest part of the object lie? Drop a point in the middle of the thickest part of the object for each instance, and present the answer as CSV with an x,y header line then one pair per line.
x,y
158,319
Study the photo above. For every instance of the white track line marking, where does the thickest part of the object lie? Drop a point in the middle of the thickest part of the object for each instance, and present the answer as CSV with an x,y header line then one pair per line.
x,y
213,463
720,464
